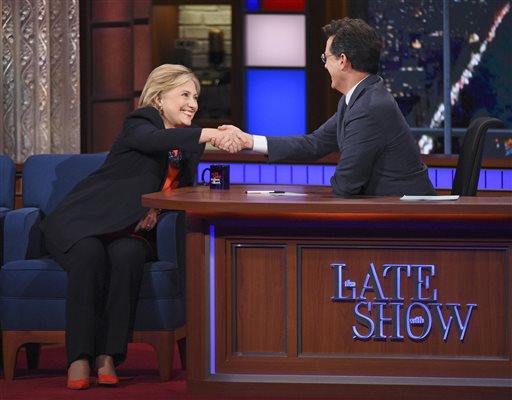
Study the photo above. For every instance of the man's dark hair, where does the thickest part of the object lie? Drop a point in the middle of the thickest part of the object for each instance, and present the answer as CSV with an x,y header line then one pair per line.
x,y
357,40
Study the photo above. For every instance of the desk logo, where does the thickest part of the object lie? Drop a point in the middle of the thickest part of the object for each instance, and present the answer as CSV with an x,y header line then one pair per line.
x,y
414,318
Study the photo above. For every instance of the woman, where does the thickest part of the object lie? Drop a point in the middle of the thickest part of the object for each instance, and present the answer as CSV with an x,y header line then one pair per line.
x,y
102,236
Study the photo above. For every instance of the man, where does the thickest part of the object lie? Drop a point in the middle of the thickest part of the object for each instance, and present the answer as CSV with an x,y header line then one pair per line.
x,y
378,154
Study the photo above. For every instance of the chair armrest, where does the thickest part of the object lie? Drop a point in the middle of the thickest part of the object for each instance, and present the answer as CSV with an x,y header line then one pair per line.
x,y
170,233
22,237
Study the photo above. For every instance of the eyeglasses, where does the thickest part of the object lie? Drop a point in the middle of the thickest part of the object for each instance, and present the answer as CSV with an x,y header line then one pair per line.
x,y
324,57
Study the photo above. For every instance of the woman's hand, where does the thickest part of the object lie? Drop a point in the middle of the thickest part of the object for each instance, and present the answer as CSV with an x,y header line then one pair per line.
x,y
148,221
225,140
243,139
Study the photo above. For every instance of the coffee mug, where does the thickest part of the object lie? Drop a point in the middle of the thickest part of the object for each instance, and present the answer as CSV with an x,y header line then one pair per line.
x,y
219,176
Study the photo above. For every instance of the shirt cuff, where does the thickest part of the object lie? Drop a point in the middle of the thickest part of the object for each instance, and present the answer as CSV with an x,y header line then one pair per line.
x,y
260,144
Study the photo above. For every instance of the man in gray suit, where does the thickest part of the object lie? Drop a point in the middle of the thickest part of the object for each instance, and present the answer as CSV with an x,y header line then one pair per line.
x,y
379,156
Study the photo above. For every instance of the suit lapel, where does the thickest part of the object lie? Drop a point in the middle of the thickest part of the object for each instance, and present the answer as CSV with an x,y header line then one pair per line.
x,y
370,80
344,109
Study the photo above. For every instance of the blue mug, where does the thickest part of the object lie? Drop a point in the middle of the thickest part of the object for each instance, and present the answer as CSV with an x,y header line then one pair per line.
x,y
219,176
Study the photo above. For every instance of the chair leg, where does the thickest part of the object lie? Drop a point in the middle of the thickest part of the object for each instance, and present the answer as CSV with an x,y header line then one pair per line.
x,y
182,348
165,354
33,351
10,347
164,343
13,340
1,353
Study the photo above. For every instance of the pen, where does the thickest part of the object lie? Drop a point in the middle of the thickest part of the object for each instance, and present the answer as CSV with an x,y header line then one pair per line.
x,y
264,192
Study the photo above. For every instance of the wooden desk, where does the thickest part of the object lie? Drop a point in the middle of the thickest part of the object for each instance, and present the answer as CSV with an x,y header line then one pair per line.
x,y
318,295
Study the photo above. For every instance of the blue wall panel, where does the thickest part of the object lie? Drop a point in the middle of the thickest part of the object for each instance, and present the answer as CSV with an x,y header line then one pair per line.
x,y
481,180
236,173
493,178
315,175
507,179
268,173
252,5
286,174
299,175
328,173
283,174
276,101
444,178
432,176
252,173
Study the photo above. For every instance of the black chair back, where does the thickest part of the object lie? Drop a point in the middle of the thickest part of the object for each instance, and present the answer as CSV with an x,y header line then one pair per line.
x,y
465,182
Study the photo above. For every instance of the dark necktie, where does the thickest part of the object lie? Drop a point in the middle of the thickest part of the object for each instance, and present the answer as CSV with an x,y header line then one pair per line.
x,y
341,111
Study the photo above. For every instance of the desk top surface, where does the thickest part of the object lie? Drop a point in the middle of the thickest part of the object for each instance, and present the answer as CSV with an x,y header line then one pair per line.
x,y
315,200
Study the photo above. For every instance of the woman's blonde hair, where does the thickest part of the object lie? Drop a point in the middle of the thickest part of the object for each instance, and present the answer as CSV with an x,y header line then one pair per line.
x,y
164,78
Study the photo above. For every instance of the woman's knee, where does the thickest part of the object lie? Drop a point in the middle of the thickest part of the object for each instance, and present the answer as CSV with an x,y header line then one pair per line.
x,y
128,253
88,255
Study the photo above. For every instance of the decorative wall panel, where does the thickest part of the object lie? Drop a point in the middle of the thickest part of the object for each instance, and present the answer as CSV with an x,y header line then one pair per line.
x,y
39,43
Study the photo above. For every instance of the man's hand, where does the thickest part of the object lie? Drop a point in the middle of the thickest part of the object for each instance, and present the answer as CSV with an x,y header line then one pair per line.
x,y
224,140
227,141
245,140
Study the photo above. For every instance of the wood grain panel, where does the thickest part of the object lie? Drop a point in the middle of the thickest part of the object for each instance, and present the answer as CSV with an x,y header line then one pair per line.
x,y
112,62
107,121
463,275
197,270
142,9
164,27
277,328
141,55
111,11
259,303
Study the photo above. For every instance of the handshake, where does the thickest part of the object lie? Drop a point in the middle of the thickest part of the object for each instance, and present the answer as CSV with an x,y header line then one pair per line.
x,y
230,138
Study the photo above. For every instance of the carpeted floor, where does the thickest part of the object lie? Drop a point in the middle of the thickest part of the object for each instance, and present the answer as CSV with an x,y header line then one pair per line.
x,y
138,380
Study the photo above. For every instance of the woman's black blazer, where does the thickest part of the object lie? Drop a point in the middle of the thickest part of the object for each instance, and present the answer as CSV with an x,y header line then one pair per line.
x,y
109,199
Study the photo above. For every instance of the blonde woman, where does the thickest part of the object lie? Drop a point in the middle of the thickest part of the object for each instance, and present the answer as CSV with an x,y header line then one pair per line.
x,y
104,250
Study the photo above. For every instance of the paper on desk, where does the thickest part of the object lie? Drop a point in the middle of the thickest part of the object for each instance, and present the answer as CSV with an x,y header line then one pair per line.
x,y
430,198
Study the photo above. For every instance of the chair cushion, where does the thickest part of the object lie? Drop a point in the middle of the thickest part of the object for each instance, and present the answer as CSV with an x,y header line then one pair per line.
x,y
161,279
33,279
161,304
33,293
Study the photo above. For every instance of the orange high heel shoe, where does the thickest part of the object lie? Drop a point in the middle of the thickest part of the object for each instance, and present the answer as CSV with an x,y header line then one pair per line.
x,y
107,380
78,384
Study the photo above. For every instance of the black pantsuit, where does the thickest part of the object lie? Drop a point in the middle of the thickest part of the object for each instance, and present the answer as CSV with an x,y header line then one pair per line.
x,y
104,275
103,285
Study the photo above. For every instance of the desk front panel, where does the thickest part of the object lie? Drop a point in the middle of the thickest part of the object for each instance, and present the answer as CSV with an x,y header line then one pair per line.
x,y
341,305
319,295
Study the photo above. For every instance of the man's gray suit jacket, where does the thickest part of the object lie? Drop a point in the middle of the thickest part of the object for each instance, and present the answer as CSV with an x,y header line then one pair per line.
x,y
378,155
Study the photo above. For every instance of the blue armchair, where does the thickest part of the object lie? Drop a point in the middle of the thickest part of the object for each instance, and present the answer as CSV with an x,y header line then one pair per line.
x,y
33,286
7,193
